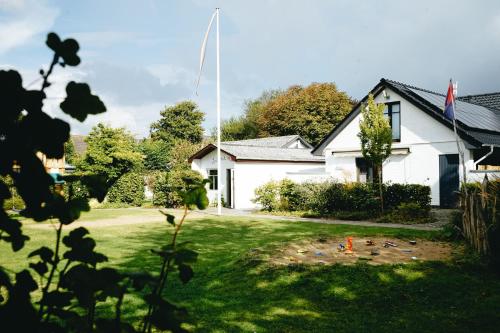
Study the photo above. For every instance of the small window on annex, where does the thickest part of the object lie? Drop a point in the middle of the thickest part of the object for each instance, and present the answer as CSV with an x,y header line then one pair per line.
x,y
393,112
212,177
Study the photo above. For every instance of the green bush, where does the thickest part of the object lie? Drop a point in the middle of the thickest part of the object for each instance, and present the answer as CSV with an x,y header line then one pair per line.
x,y
15,202
168,184
407,213
267,196
347,201
128,189
330,198
412,211
395,194
284,195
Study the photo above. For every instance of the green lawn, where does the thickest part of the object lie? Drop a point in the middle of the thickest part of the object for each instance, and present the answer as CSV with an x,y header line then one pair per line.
x,y
233,291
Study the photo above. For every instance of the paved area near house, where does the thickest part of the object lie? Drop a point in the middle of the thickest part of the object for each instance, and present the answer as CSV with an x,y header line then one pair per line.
x,y
152,215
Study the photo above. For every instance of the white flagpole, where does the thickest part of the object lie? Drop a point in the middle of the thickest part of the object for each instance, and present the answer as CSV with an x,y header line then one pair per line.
x,y
219,167
461,155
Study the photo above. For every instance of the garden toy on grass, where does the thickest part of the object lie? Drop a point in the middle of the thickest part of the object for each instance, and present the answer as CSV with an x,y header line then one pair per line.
x,y
387,244
349,245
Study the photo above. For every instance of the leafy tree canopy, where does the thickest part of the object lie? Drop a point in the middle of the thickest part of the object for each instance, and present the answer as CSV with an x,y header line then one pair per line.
x,y
310,111
181,121
70,154
111,152
375,132
156,154
375,135
237,128
181,151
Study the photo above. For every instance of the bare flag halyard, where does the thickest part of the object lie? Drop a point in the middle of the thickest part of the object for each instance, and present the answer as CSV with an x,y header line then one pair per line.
x,y
202,60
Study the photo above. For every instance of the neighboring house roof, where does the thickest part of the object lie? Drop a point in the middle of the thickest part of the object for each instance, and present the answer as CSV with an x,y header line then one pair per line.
x,y
264,149
478,125
79,143
491,100
272,142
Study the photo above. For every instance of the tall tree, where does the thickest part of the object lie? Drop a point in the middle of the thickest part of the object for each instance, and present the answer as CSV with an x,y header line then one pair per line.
x,y
311,112
376,138
181,121
156,154
70,154
237,128
111,152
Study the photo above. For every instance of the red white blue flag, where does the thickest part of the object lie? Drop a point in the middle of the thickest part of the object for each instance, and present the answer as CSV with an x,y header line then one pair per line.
x,y
449,104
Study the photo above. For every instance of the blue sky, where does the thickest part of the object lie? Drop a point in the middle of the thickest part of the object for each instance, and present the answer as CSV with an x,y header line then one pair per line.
x,y
140,56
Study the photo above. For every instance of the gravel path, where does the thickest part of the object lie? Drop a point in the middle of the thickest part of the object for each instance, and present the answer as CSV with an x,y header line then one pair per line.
x,y
154,216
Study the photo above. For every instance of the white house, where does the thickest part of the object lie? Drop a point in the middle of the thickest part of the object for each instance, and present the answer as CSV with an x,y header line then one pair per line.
x,y
424,143
248,164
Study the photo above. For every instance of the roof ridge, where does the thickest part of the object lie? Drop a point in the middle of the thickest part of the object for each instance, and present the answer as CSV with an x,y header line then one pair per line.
x,y
264,147
478,95
413,87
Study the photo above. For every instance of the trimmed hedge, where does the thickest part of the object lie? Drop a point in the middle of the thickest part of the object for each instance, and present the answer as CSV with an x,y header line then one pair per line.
x,y
128,189
353,200
396,194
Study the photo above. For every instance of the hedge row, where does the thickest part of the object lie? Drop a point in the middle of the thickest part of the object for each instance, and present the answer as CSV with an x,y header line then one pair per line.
x,y
329,198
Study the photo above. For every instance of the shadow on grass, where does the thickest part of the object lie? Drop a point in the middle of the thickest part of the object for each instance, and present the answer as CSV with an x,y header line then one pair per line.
x,y
233,290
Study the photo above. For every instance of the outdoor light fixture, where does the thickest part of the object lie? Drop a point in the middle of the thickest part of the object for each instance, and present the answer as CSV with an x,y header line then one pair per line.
x,y
386,95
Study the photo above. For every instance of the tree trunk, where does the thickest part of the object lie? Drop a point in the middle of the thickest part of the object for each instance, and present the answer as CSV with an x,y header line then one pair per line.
x,y
381,192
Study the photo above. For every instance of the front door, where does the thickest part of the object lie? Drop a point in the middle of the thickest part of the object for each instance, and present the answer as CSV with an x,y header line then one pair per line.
x,y
229,188
449,181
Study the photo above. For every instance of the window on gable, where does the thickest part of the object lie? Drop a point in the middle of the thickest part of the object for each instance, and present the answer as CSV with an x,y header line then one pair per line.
x,y
212,177
393,112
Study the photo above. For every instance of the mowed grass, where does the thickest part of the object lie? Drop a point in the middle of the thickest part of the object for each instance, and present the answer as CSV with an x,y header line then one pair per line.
x,y
235,291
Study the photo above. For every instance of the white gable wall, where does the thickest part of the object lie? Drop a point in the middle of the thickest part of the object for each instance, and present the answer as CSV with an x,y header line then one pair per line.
x,y
252,174
209,161
248,175
425,136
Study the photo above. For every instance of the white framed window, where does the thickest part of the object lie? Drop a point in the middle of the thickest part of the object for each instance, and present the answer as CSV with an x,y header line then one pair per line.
x,y
393,112
212,177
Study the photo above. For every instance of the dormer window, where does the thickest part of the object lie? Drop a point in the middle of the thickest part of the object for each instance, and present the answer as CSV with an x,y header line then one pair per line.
x,y
393,113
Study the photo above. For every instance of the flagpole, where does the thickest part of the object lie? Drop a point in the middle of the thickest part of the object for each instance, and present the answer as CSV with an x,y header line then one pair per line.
x,y
460,151
219,167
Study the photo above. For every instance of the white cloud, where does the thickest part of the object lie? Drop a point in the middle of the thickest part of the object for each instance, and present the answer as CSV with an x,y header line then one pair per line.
x,y
104,38
21,20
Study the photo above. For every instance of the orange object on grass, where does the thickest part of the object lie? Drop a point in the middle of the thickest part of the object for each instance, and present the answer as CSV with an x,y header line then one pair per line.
x,y
349,244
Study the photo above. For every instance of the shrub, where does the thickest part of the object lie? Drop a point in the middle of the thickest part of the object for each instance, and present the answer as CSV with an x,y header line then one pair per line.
x,y
290,196
347,201
362,197
15,202
395,194
267,196
407,213
128,189
284,195
167,185
330,198
412,211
